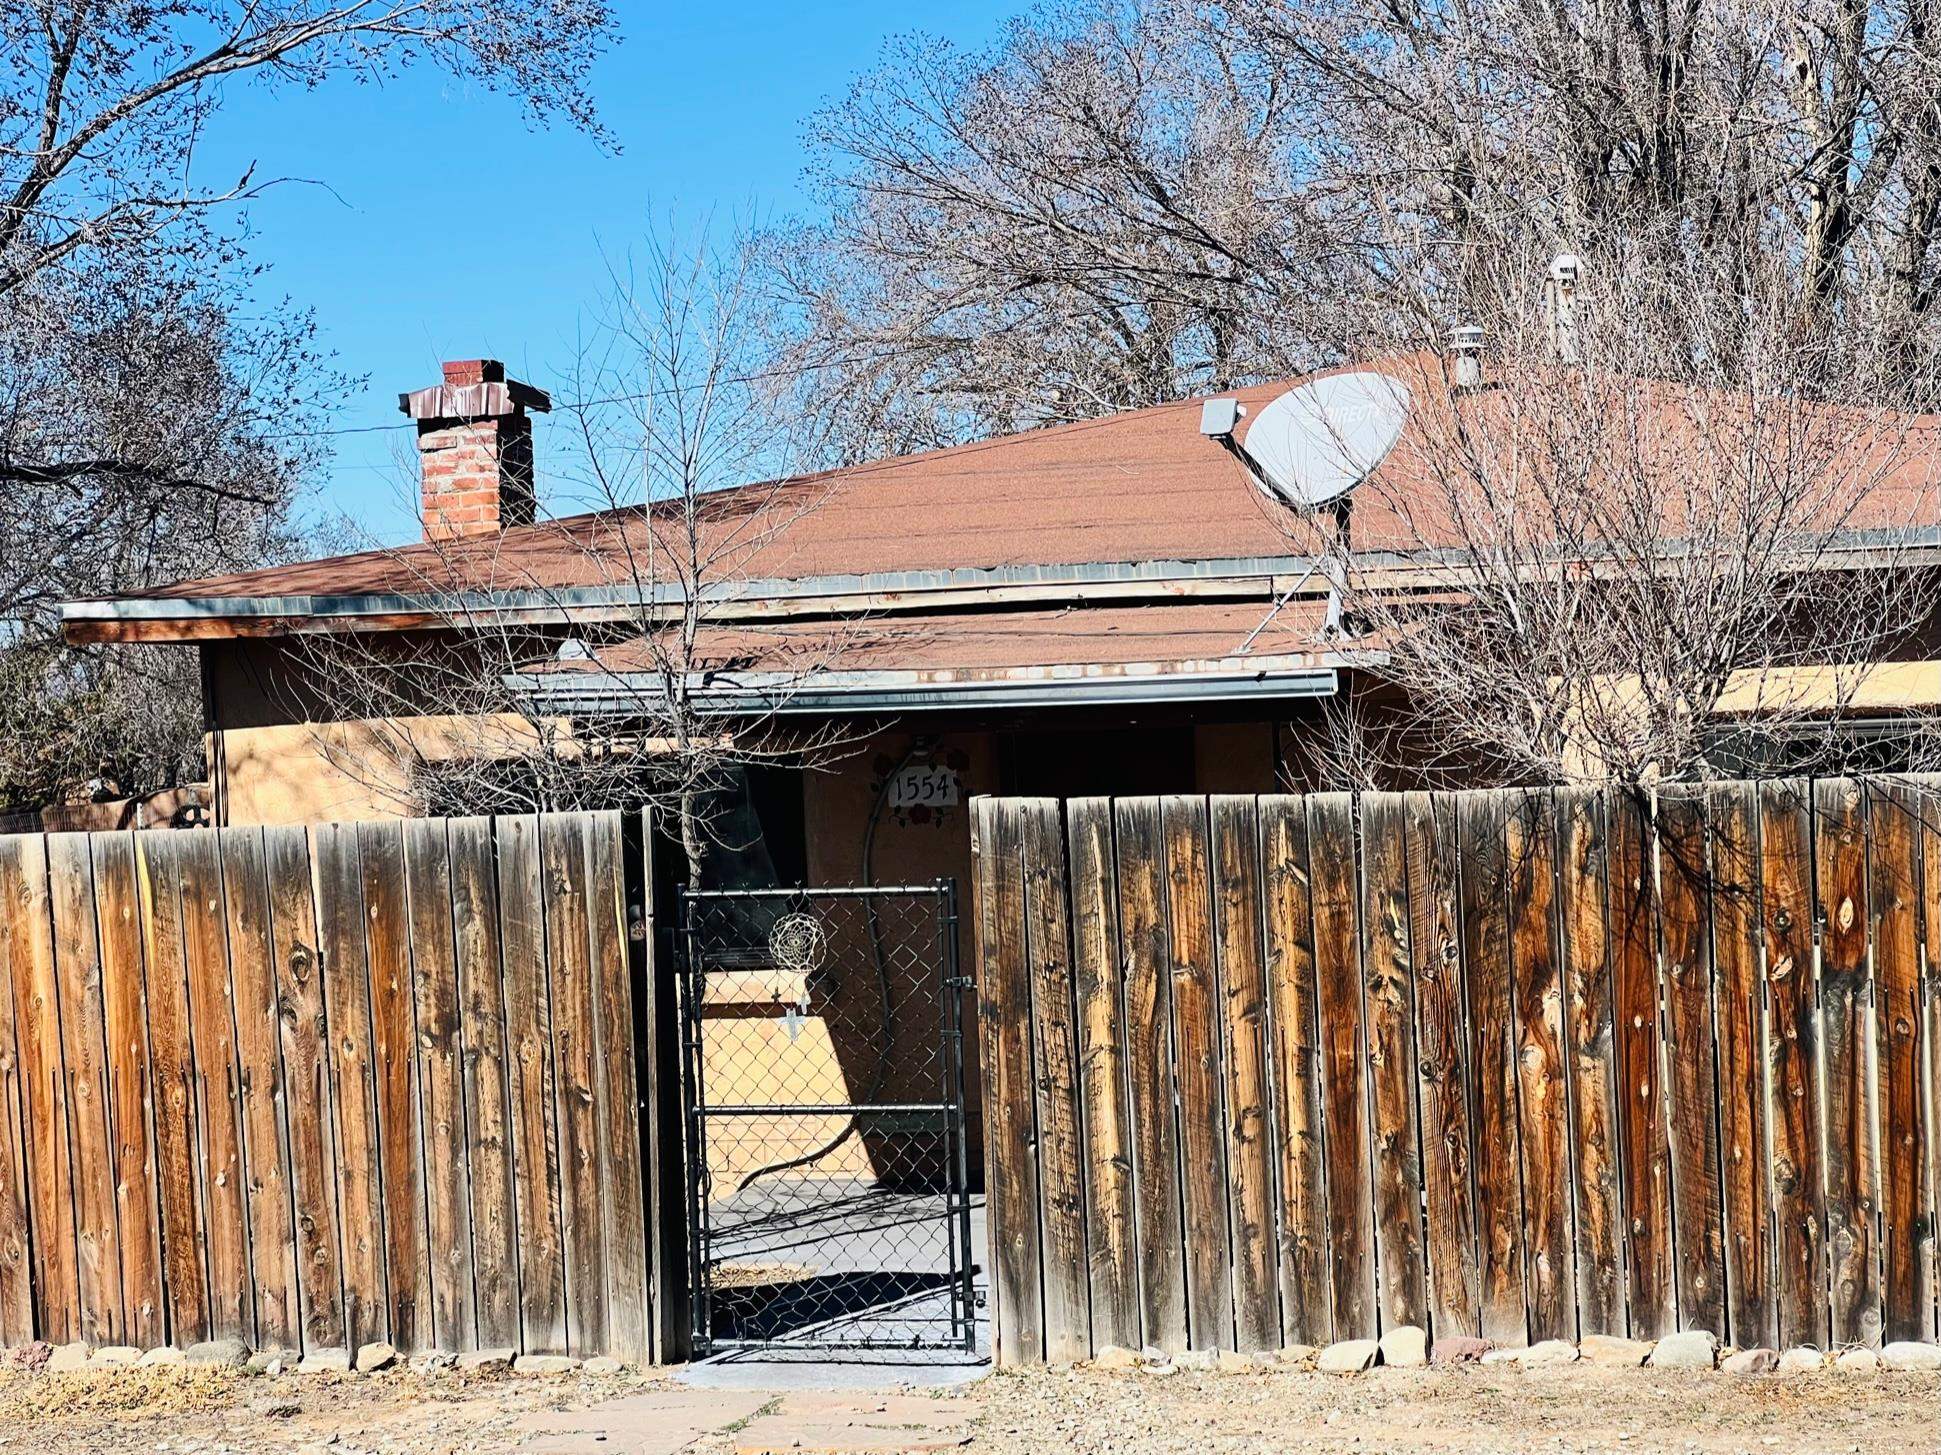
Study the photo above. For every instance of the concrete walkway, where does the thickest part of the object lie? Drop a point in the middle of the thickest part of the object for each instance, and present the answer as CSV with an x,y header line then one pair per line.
x,y
674,1417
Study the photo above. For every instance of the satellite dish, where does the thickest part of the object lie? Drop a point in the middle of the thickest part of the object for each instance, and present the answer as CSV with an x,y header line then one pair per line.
x,y
1316,443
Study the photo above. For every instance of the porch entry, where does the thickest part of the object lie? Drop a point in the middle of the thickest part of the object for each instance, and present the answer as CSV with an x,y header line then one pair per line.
x,y
823,1065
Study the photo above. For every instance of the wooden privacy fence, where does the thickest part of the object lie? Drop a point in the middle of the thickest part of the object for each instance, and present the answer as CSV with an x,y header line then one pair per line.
x,y
1527,1064
310,1088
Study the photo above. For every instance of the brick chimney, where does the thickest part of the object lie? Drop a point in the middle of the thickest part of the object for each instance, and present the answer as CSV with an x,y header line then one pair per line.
x,y
475,449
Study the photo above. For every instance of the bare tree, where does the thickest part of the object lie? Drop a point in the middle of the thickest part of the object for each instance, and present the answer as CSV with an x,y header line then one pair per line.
x,y
1594,570
158,414
661,690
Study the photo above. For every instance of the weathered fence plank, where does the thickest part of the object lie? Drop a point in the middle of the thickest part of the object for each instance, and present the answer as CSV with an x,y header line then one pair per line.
x,y
1846,988
17,1281
125,1028
1009,1126
77,946
1442,1059
1752,1315
1483,828
1067,1298
266,1181
303,1040
1642,1132
1196,1080
1149,1060
1243,983
1691,1083
1306,1306
1928,801
1112,1258
1388,1005
1894,881
1584,915
1793,1079
535,1156
1543,1117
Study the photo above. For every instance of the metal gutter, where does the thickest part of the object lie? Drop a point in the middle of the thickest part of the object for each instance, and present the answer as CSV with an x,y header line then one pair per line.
x,y
844,693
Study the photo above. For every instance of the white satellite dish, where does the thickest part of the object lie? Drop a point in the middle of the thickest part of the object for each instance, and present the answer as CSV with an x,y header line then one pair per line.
x,y
1316,443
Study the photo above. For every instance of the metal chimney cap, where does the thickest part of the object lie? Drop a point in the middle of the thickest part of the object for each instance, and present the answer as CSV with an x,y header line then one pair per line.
x,y
1466,338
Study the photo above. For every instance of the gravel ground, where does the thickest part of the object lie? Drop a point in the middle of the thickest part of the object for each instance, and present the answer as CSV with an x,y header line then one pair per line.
x,y
1572,1410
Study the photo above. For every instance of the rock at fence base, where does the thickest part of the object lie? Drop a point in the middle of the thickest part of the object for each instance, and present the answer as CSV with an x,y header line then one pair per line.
x,y
487,1361
112,1356
1802,1359
1609,1349
1159,1368
1299,1355
1196,1361
31,1356
167,1354
434,1363
603,1367
1858,1361
1229,1361
1115,1356
1546,1352
325,1361
1751,1361
1458,1349
1350,1356
232,1352
67,1358
374,1356
272,1362
1908,1358
545,1364
1405,1347
1502,1356
1692,1349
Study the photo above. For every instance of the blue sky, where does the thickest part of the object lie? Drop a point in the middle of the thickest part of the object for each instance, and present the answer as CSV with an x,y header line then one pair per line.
x,y
452,229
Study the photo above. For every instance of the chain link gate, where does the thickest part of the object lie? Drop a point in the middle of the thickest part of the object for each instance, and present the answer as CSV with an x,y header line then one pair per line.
x,y
824,1060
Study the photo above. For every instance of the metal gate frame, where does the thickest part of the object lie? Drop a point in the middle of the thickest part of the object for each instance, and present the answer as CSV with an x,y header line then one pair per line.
x,y
951,986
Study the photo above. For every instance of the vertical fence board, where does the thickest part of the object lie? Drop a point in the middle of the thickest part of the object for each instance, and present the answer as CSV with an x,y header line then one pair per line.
x,y
266,1180
1306,1312
440,1053
1642,1134
1751,1315
1793,1077
1337,940
1853,1252
17,1281
347,997
1442,1065
1243,981
159,864
1691,1083
394,1041
303,1043
1894,880
1112,1253
1543,1115
77,973
1483,830
628,1262
1584,913
43,1086
487,1073
125,1026
1149,1055
1009,1133
1196,1071
535,1157
1388,1004
575,1052
1928,801
1067,1300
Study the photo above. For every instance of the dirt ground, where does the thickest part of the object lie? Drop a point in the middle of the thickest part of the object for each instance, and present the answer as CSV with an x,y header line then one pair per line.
x,y
1572,1410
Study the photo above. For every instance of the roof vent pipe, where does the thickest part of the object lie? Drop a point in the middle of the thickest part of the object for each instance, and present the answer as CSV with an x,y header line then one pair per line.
x,y
1466,355
1560,305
